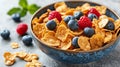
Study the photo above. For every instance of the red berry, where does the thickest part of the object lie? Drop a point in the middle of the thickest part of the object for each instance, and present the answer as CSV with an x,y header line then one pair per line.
x,y
21,28
94,11
84,22
54,14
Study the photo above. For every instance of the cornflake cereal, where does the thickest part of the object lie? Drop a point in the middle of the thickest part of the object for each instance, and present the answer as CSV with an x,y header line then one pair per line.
x,y
14,45
34,63
9,58
31,59
104,29
83,42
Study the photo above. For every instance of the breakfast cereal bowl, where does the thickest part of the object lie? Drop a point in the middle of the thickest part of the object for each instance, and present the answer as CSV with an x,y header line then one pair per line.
x,y
76,56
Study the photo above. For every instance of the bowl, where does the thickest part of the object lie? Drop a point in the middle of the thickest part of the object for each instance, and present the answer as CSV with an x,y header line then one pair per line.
x,y
75,57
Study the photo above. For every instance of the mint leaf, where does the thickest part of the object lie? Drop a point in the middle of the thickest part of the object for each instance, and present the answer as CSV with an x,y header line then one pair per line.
x,y
32,8
23,12
13,11
23,3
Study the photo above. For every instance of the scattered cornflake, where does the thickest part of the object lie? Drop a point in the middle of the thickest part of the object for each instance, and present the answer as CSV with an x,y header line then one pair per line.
x,y
9,58
21,54
34,63
14,45
31,59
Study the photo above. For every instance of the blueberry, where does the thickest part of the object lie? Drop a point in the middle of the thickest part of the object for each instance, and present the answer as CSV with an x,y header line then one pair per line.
x,y
68,18
27,40
51,24
91,16
16,17
110,26
78,14
73,25
89,31
5,34
75,42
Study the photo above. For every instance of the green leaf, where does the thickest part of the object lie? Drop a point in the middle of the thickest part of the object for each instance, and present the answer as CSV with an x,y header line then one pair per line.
x,y
13,10
32,8
23,12
23,3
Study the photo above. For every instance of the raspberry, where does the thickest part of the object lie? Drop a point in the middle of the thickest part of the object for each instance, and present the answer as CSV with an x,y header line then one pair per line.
x,y
22,28
55,14
94,11
84,22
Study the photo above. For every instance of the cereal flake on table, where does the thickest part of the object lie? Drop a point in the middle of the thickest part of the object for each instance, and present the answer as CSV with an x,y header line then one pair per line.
x,y
30,58
14,45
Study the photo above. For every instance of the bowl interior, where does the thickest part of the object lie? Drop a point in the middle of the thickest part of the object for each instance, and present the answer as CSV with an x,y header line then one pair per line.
x,y
74,4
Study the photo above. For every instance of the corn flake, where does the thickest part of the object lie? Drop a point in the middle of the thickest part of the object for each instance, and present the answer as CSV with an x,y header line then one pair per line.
x,y
66,45
84,44
61,7
108,37
96,41
50,39
9,58
34,63
14,45
117,24
61,33
21,54
103,23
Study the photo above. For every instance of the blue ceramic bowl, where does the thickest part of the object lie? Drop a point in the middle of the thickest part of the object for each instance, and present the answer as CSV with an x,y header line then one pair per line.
x,y
75,57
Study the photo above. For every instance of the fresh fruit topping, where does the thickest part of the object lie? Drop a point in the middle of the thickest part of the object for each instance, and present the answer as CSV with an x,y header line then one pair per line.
x,y
89,31
51,24
84,22
5,34
68,18
16,17
110,26
73,25
27,40
22,28
92,16
75,42
78,14
94,11
55,14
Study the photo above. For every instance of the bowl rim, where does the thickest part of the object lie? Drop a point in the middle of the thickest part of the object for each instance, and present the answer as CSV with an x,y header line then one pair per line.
x,y
71,51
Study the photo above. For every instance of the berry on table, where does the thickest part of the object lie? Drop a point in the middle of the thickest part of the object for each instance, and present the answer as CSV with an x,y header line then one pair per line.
x,y
16,17
110,26
92,16
75,42
51,24
94,11
22,28
54,14
89,31
84,22
5,34
68,18
73,25
27,40
78,14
